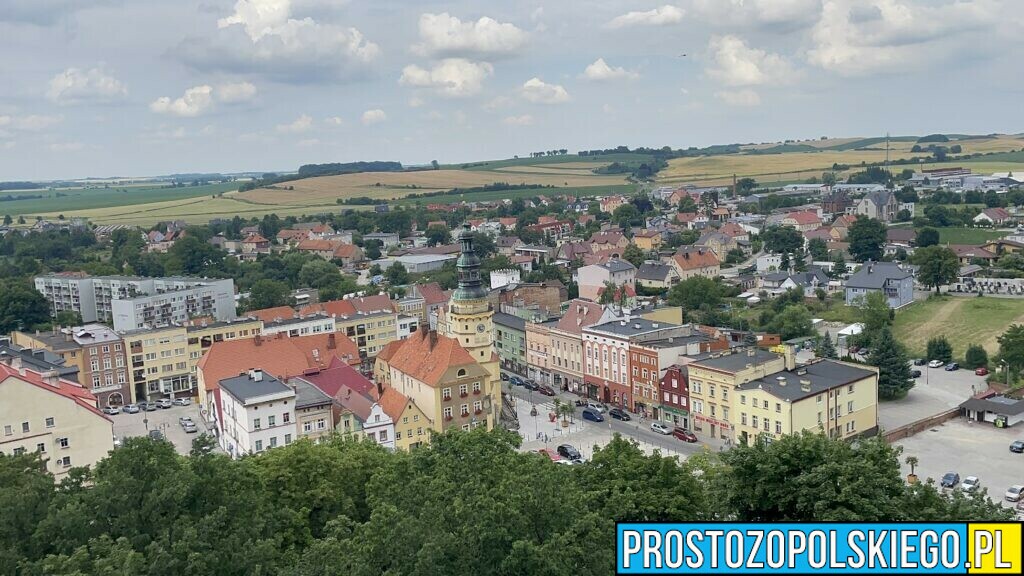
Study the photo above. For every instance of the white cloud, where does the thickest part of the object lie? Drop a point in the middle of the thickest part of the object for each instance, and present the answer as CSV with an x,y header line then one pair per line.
x,y
66,146
416,102
301,124
498,102
537,91
373,116
447,35
308,143
236,92
524,120
777,16
865,36
662,16
744,97
74,86
194,102
736,64
334,121
30,123
262,37
454,77
600,71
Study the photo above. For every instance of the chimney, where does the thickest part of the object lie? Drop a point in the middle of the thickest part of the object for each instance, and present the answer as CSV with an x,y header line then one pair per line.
x,y
51,377
781,380
805,385
255,374
332,342
17,365
433,339
258,340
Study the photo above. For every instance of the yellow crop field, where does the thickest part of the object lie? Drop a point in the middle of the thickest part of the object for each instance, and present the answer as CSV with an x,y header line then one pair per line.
x,y
547,170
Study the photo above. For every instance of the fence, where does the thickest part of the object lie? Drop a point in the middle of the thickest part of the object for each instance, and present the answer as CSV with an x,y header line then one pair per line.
x,y
908,430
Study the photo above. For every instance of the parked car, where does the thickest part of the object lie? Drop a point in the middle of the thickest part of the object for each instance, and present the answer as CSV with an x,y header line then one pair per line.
x,y
592,415
952,367
595,405
184,420
684,435
981,371
619,414
1017,446
504,377
530,385
156,435
181,401
190,428
111,410
970,484
950,480
553,456
1014,493
936,364
915,373
130,409
515,380
919,362
569,451
545,390
148,406
661,428
163,403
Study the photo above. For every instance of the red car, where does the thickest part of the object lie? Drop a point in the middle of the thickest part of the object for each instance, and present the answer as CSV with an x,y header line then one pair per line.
x,y
981,371
684,435
545,390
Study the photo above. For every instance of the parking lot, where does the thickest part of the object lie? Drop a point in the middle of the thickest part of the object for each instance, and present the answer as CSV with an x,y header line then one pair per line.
x,y
969,449
164,420
936,391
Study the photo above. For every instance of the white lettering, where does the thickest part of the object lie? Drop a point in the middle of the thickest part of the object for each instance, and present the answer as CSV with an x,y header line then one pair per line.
x,y
796,550
816,550
714,535
834,563
630,545
951,543
982,545
929,557
673,549
696,558
1000,563
752,561
773,553
906,548
876,558
652,549
854,540
734,549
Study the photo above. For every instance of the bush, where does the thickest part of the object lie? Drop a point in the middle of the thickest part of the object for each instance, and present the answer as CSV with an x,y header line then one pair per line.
x,y
940,349
975,357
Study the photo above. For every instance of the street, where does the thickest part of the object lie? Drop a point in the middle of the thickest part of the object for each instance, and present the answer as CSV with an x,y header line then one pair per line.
x,y
165,420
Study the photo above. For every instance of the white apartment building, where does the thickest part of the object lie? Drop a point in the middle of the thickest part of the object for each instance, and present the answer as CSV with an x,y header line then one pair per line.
x,y
257,413
131,302
56,418
407,325
300,326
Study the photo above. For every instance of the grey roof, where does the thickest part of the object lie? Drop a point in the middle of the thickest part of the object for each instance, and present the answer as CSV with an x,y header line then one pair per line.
x,y
875,274
878,197
653,271
510,321
307,395
738,361
39,359
809,380
997,404
616,265
631,327
244,388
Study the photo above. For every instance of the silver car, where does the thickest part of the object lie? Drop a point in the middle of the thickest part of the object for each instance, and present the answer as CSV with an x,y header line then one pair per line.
x,y
130,409
661,428
1014,493
111,410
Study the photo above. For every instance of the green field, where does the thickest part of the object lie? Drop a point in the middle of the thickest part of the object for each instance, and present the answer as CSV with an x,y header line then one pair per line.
x,y
55,201
492,195
548,160
968,235
962,320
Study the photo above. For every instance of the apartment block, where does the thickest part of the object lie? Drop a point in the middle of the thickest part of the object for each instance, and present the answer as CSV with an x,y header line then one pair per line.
x,y
131,303
258,413
160,365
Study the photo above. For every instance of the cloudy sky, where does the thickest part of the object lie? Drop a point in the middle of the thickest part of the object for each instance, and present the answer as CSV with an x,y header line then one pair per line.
x,y
143,87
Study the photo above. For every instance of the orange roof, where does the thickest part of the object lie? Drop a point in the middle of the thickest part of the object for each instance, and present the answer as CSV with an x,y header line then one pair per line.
x,y
507,222
388,351
579,315
845,220
647,234
393,403
732,229
805,217
315,244
427,355
346,251
432,293
254,238
66,388
278,355
372,304
288,234
690,258
686,216
272,314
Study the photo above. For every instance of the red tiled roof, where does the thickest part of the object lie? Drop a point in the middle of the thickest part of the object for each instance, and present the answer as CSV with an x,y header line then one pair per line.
x,y
316,245
278,356
691,258
70,390
340,381
254,238
732,229
805,217
507,222
579,315
432,293
331,308
686,216
613,237
427,355
371,304
393,403
346,251
272,314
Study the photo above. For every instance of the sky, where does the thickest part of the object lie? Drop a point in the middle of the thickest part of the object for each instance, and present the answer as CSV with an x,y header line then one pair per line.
x,y
96,88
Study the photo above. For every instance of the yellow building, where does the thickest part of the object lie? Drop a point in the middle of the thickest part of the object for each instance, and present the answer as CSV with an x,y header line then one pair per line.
x,y
371,322
159,363
412,428
739,396
56,418
647,240
203,335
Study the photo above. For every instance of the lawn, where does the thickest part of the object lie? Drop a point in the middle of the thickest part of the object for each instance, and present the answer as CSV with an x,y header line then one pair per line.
x,y
67,201
968,235
962,320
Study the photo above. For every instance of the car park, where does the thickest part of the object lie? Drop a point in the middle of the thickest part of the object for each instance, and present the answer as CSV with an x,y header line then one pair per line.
x,y
163,403
619,414
950,480
661,428
545,390
915,373
592,415
970,484
936,364
684,435
1017,446
1014,493
111,410
569,451
181,401
130,409
952,367
981,371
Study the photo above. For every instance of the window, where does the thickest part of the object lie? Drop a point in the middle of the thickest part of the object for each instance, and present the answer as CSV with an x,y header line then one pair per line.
x,y
711,390
271,421
92,351
398,434
107,364
25,427
725,413
273,441
464,410
65,461
64,442
321,424
778,407
447,411
419,431
696,387
287,439
259,445
849,406
286,417
851,426
819,417
743,399
778,427
767,425
849,389
743,418
765,404
753,420
463,389
819,398
446,393
476,387
49,422
415,417
41,448
19,451
256,424
725,393
383,435
477,406
307,427
8,430
119,361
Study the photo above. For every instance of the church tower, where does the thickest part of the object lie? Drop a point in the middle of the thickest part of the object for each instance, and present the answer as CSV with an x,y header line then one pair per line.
x,y
469,319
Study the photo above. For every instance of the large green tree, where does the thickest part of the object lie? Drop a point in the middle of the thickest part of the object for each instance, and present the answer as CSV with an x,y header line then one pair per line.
x,y
940,349
890,357
866,238
937,266
695,293
21,306
782,239
1011,347
926,237
268,294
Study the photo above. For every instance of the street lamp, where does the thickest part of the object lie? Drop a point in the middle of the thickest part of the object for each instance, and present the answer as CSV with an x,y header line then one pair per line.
x,y
1006,368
